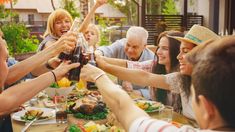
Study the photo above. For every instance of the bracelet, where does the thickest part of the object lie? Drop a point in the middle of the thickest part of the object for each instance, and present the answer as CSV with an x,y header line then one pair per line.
x,y
54,76
48,66
98,76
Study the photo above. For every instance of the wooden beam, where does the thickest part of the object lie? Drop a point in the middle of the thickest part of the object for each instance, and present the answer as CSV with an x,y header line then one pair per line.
x,y
143,13
185,14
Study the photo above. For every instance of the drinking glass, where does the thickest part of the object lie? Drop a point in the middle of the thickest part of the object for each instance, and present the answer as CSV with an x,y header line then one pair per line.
x,y
167,114
61,106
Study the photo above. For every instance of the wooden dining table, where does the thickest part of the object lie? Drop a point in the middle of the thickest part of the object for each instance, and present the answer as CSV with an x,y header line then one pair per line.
x,y
18,125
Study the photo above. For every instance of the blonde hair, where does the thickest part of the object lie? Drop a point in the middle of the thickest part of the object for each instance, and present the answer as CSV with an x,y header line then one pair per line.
x,y
53,17
97,32
96,29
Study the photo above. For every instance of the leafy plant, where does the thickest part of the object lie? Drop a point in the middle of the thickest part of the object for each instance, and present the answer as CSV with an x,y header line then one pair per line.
x,y
3,12
18,38
169,8
70,6
104,40
153,7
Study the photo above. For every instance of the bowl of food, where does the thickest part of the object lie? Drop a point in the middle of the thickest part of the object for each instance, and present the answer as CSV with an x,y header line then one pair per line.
x,y
60,88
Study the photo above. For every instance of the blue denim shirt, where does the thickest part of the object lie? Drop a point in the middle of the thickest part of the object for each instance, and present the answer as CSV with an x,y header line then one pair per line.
x,y
116,50
11,61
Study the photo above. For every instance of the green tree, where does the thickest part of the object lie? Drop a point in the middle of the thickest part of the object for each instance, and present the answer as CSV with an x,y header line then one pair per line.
x,y
18,38
169,8
16,34
129,9
70,6
104,33
153,7
3,12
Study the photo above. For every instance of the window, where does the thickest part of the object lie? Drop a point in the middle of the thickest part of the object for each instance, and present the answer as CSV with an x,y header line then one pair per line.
x,y
16,18
31,19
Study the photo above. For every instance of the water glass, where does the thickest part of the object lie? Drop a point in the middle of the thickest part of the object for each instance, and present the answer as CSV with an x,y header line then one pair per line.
x,y
167,114
61,106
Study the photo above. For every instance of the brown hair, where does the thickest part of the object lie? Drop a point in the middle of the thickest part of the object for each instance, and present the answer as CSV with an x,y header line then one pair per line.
x,y
214,75
174,48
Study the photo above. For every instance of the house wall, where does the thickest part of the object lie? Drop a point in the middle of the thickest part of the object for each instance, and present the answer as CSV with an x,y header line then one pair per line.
x,y
222,15
203,9
23,15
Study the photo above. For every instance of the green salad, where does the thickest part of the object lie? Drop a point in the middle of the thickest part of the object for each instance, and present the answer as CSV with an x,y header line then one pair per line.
x,y
96,116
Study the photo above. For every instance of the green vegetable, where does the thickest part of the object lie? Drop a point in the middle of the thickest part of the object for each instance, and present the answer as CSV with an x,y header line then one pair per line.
x,y
27,118
151,109
74,128
96,116
54,85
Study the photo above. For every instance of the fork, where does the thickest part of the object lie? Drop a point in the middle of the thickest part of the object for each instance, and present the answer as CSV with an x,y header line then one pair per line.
x,y
31,122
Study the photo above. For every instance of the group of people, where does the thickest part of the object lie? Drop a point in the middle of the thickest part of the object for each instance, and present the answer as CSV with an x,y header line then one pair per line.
x,y
194,73
210,94
57,39
176,83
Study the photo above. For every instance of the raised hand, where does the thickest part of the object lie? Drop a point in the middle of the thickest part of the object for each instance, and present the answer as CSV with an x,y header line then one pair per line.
x,y
66,43
101,2
101,63
54,62
89,73
62,70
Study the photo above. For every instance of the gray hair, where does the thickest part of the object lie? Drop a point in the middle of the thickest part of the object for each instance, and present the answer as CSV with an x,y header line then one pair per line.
x,y
137,32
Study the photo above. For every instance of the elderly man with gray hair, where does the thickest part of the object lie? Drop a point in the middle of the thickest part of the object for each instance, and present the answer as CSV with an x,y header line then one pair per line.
x,y
133,48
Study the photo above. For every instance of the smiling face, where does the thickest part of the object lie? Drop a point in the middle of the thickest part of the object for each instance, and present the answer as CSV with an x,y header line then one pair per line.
x,y
3,62
185,67
163,52
134,48
61,26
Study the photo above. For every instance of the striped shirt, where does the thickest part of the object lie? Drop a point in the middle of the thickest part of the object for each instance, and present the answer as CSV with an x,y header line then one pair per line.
x,y
147,124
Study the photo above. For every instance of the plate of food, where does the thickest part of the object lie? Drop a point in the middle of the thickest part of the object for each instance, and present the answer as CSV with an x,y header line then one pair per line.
x,y
93,127
149,106
89,107
32,112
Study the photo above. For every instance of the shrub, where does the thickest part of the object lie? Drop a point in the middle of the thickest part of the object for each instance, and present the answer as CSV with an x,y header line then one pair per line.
x,y
18,39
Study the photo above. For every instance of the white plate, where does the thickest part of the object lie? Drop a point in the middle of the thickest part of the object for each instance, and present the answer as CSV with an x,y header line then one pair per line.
x,y
49,104
46,112
161,106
